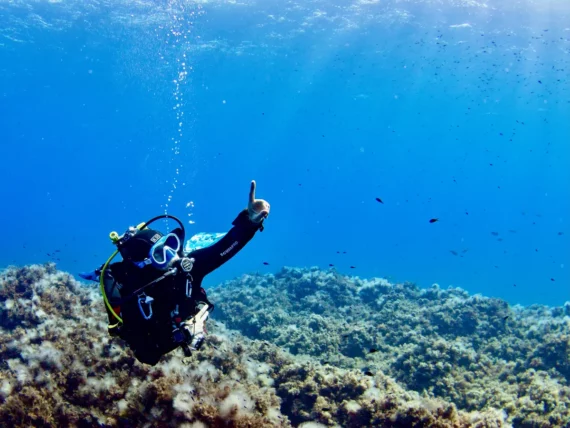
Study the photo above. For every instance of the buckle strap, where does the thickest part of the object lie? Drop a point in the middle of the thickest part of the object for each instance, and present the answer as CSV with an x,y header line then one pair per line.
x,y
188,287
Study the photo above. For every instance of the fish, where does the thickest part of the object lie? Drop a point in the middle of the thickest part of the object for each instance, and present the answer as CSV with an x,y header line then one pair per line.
x,y
495,233
505,317
433,220
265,263
372,350
368,373
453,252
379,200
353,267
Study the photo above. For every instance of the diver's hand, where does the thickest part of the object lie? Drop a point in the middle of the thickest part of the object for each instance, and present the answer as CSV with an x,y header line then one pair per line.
x,y
258,209
195,327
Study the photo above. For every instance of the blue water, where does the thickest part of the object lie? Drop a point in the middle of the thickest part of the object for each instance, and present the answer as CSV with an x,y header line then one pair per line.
x,y
450,110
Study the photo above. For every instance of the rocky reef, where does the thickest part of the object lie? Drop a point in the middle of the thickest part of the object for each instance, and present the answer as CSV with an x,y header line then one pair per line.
x,y
475,352
305,347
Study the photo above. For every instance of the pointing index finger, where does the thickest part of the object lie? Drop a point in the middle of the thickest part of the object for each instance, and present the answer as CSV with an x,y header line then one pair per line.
x,y
252,192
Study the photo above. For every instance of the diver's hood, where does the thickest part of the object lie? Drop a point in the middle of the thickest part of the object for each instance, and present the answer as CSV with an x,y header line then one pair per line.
x,y
137,247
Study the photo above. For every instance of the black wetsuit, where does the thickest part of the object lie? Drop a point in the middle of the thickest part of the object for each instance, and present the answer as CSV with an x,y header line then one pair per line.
x,y
174,298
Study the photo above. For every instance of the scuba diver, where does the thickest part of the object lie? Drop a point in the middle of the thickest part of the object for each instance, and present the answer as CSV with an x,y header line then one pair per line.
x,y
153,297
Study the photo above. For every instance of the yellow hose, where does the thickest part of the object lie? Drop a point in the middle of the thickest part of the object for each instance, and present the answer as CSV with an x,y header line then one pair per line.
x,y
102,286
114,238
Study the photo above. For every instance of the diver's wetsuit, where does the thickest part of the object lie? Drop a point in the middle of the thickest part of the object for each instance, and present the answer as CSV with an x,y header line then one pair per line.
x,y
148,327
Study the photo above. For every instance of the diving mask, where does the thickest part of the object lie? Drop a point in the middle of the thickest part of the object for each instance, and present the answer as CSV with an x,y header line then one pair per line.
x,y
163,252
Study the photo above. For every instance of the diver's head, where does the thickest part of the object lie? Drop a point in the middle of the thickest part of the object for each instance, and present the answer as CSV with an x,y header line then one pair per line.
x,y
150,247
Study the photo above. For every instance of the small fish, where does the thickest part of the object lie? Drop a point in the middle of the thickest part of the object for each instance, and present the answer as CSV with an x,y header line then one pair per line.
x,y
372,350
265,263
353,267
454,252
514,285
368,373
495,233
379,200
505,317
326,409
433,220
559,234
331,265
552,279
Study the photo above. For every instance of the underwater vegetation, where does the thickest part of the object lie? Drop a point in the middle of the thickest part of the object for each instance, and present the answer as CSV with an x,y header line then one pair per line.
x,y
304,347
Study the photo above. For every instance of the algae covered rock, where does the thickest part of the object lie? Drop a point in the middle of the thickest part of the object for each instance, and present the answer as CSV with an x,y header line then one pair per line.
x,y
287,350
473,351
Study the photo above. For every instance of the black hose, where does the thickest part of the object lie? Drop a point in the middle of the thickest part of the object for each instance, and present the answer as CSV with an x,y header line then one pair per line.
x,y
145,224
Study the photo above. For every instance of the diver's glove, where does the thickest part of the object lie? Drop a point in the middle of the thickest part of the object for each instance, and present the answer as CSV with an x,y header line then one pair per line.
x,y
257,209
